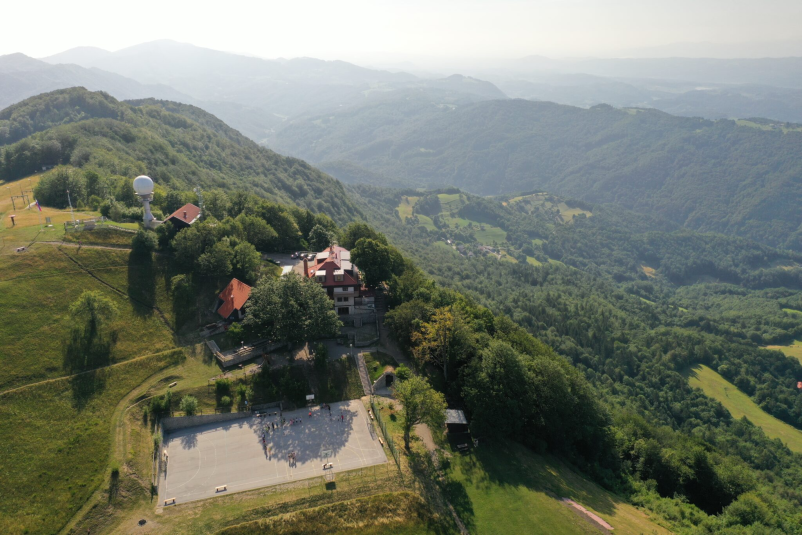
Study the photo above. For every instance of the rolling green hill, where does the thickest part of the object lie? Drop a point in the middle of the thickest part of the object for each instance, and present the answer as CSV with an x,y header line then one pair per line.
x,y
177,145
706,175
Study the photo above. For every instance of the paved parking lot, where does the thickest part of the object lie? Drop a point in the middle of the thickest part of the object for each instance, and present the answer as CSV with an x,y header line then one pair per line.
x,y
243,454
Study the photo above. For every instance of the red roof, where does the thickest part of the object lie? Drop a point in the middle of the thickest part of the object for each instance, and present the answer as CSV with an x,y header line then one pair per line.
x,y
332,263
233,297
187,213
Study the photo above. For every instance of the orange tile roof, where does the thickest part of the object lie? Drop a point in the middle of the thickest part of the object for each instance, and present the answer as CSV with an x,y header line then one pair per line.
x,y
233,297
192,213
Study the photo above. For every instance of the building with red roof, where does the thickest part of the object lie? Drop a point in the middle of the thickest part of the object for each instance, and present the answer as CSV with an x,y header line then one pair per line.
x,y
184,216
231,300
335,272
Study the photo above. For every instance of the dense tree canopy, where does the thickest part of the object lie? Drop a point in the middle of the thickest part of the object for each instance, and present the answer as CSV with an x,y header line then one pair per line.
x,y
291,309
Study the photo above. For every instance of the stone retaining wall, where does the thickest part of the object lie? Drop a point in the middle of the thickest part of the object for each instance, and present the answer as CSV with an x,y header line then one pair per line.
x,y
182,422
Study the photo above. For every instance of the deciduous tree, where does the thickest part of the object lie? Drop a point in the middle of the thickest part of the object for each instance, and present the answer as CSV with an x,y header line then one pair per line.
x,y
291,309
421,403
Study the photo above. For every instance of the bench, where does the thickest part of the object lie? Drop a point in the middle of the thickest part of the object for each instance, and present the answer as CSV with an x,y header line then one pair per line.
x,y
169,501
221,488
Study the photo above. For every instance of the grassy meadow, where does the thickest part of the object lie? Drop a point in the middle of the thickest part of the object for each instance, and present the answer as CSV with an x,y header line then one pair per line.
x,y
56,437
740,405
401,513
36,290
501,488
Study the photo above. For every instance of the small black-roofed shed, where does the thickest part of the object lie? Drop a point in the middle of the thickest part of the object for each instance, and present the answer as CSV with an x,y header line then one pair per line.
x,y
456,422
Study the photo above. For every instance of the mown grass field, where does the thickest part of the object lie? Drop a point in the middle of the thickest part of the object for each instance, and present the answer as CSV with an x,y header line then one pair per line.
x,y
56,438
399,513
36,290
502,488
405,207
30,217
740,405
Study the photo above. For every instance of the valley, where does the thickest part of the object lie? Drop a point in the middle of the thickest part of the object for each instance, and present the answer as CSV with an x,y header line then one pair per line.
x,y
547,318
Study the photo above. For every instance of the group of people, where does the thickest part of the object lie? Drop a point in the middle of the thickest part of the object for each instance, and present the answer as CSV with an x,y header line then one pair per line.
x,y
292,458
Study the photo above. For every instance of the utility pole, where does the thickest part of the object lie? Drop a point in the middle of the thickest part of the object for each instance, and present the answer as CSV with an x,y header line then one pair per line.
x,y
71,212
38,207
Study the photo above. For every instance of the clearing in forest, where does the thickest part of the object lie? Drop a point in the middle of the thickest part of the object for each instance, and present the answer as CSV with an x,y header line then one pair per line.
x,y
740,405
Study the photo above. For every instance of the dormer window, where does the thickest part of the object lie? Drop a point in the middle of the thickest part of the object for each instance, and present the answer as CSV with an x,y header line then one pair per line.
x,y
338,275
320,275
321,278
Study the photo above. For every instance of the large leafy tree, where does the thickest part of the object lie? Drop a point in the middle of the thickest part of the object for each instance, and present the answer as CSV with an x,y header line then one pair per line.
x,y
246,262
92,311
319,238
442,339
291,309
421,404
376,260
358,230
217,260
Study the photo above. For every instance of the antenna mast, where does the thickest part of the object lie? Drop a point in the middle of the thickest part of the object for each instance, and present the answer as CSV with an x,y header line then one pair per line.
x,y
200,200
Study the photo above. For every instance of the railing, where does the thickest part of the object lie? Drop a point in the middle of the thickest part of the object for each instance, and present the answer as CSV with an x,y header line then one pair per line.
x,y
387,438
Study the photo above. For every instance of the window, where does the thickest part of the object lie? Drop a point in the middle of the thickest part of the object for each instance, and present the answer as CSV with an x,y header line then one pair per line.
x,y
321,278
338,278
342,299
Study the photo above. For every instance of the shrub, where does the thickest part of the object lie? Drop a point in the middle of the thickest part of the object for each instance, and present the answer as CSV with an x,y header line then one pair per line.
x,y
402,372
144,242
189,404
222,387
225,401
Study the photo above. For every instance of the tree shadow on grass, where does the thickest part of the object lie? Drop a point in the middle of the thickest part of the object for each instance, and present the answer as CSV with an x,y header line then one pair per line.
x,y
83,354
85,386
510,464
142,283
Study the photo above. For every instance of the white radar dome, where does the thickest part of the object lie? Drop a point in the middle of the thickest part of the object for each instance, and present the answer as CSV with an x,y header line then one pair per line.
x,y
143,185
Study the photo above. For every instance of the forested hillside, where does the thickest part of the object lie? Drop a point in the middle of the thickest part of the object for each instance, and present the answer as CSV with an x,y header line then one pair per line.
x,y
179,146
636,335
719,176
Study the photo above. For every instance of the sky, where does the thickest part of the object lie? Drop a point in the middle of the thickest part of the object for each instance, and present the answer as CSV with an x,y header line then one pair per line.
x,y
369,31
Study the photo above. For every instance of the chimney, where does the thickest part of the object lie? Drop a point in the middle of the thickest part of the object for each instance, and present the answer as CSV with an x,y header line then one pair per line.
x,y
306,268
185,214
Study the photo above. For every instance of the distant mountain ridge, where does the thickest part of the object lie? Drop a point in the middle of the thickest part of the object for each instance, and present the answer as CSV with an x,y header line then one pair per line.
x,y
22,77
706,175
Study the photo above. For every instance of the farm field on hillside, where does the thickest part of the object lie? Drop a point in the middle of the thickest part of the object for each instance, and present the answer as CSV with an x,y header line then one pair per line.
x,y
740,405
36,290
506,488
56,437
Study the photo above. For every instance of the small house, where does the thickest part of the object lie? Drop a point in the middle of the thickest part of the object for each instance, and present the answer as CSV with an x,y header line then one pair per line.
x,y
184,216
456,422
232,299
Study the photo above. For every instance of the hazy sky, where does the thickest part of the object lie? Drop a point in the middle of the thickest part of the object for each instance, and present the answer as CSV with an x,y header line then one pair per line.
x,y
373,30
